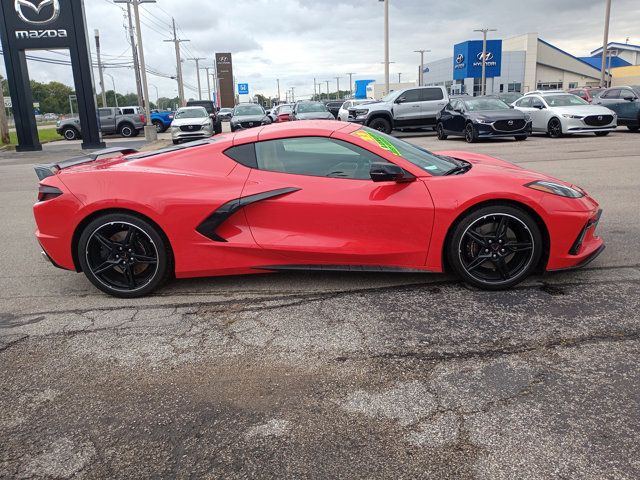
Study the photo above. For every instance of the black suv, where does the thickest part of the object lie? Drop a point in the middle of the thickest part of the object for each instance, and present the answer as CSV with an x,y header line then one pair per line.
x,y
334,106
211,109
625,101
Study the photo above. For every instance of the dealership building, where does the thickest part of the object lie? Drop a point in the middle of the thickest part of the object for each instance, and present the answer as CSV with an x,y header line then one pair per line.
x,y
517,64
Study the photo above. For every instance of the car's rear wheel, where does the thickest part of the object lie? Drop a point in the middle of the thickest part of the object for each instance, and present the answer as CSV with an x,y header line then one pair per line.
x,y
124,255
633,128
70,133
601,134
381,124
470,133
159,126
520,138
440,131
495,247
218,127
126,130
554,128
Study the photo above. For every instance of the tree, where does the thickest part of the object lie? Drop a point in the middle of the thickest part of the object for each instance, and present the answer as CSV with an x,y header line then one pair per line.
x,y
53,96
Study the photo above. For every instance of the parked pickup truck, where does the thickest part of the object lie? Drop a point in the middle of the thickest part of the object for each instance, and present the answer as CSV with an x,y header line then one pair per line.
x,y
111,121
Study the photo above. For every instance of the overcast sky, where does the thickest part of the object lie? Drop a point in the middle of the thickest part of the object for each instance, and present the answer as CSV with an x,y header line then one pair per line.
x,y
297,40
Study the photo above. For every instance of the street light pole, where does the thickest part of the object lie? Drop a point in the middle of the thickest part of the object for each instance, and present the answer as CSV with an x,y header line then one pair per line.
x,y
115,94
327,89
197,60
157,96
421,75
96,33
338,87
351,74
605,44
386,46
278,82
208,82
399,76
484,56
150,132
176,41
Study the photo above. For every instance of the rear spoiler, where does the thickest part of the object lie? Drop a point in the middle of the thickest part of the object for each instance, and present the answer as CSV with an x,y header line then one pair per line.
x,y
45,170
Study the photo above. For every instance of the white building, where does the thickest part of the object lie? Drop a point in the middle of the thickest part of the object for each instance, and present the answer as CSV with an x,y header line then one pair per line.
x,y
528,63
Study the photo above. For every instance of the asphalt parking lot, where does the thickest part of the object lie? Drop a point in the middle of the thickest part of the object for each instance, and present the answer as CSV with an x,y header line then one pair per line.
x,y
330,375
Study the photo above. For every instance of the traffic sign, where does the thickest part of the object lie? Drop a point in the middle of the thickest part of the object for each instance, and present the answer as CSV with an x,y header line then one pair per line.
x,y
243,89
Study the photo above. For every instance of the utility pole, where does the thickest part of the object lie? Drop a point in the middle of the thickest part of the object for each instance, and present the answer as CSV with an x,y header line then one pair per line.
x,y
4,125
605,44
421,74
197,60
399,75
484,56
386,46
208,82
150,132
351,74
96,34
115,94
314,88
327,89
338,87
157,96
293,94
278,81
136,63
177,41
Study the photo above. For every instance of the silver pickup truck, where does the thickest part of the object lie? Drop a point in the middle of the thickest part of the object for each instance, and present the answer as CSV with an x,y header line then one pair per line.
x,y
111,121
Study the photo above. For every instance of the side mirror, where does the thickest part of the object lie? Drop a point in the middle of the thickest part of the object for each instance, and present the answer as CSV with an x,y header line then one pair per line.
x,y
629,98
400,99
458,110
389,172
539,107
212,115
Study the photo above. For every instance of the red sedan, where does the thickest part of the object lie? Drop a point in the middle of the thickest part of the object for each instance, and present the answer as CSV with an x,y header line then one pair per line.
x,y
307,195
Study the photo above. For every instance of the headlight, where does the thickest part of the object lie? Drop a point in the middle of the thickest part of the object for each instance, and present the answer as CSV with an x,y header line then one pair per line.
x,y
58,123
483,120
360,113
175,129
567,115
555,188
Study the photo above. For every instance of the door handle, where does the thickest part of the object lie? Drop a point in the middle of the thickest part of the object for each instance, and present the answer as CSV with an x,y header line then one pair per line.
x,y
415,106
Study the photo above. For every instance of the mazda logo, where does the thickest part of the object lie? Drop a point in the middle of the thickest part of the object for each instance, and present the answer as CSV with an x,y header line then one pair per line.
x,y
460,58
191,127
21,5
251,124
600,117
510,122
487,57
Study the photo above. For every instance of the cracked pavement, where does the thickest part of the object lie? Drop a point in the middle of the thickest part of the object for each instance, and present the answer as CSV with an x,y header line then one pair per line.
x,y
329,375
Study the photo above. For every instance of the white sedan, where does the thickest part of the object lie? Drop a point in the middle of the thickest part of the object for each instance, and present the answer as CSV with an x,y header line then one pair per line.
x,y
343,113
558,114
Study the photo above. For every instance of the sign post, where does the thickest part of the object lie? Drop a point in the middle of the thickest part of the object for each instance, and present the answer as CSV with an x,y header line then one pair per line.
x,y
32,24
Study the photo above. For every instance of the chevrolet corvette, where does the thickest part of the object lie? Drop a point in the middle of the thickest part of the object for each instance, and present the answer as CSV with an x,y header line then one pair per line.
x,y
312,195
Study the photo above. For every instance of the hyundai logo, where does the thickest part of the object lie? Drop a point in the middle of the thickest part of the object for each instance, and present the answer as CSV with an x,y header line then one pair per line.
x,y
460,58
487,57
19,5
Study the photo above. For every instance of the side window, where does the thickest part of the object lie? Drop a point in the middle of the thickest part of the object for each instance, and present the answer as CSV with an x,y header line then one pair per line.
x,y
627,93
536,102
317,157
411,96
346,105
429,94
613,93
243,154
524,102
104,112
128,111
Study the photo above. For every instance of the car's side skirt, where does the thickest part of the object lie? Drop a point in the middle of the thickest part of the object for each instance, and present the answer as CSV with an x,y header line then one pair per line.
x,y
344,268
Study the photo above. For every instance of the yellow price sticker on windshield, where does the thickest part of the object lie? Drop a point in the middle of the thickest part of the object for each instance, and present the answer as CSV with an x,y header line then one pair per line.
x,y
378,140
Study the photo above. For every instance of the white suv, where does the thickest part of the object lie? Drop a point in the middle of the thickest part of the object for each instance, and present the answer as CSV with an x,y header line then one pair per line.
x,y
559,113
413,107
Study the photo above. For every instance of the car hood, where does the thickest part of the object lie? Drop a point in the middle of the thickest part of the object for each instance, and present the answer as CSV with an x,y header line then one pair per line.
x,y
315,116
370,105
511,114
248,118
177,122
583,110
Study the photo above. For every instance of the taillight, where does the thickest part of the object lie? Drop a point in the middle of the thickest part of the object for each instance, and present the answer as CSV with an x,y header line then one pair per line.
x,y
45,192
142,119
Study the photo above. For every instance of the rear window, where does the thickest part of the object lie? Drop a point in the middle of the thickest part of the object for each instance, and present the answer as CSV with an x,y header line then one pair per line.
x,y
432,94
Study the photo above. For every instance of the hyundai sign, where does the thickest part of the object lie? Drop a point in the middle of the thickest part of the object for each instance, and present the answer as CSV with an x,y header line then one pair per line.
x,y
467,59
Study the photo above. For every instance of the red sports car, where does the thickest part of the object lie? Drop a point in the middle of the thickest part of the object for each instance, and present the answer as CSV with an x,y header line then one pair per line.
x,y
320,195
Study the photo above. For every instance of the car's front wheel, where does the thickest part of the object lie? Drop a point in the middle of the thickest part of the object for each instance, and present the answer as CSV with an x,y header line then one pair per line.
x,y
470,133
70,133
601,134
124,255
440,131
126,130
520,138
554,128
381,124
495,247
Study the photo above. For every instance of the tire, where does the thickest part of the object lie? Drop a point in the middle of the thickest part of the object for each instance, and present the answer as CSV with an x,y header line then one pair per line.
x,y
381,124
633,128
520,138
554,128
601,134
127,130
110,256
486,258
70,133
470,133
160,128
440,131
217,127
176,142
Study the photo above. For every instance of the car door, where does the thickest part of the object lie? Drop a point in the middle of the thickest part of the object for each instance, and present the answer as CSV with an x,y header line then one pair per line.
x,y
457,122
432,101
326,209
539,114
407,110
611,99
107,120
629,105
446,116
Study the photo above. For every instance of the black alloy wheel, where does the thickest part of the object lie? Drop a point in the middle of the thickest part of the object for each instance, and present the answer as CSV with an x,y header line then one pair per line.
x,y
470,133
520,138
601,134
495,247
124,255
554,128
440,131
381,124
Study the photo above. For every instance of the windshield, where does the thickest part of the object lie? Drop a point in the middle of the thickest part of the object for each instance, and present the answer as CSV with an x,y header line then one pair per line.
x,y
284,109
311,107
192,113
480,104
390,97
421,158
226,110
564,100
248,110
